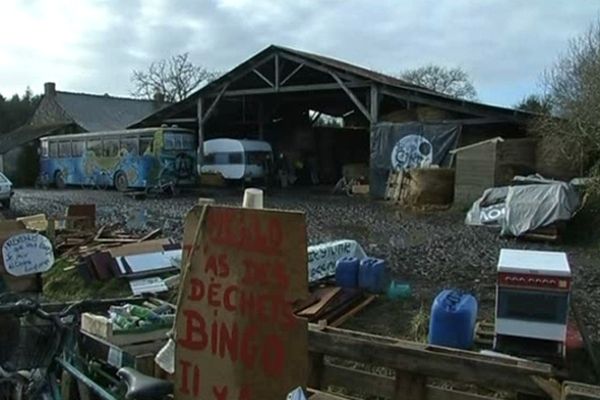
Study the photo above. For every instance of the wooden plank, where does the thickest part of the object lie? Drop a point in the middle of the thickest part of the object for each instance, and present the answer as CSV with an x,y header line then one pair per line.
x,y
369,383
436,362
409,386
325,298
353,97
315,372
352,312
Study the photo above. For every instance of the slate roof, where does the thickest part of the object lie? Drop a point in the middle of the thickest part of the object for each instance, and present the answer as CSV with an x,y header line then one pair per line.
x,y
102,112
86,112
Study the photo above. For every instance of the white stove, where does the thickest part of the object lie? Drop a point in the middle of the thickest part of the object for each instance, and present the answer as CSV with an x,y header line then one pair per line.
x,y
532,296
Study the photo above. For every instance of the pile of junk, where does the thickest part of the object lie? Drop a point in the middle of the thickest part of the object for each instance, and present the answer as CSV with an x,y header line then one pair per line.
x,y
531,207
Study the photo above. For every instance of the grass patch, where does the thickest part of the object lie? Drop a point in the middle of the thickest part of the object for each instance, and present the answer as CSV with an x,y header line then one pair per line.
x,y
64,283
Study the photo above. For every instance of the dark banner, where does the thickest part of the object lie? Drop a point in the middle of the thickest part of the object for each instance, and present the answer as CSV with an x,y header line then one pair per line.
x,y
399,146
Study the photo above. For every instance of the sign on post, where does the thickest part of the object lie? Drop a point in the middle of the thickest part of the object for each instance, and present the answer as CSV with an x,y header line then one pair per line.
x,y
27,254
237,337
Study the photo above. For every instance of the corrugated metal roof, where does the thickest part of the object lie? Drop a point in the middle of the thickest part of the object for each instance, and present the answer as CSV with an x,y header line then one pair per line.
x,y
102,112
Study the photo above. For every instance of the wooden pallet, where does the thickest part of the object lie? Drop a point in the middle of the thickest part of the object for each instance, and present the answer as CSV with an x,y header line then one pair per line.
x,y
393,188
484,333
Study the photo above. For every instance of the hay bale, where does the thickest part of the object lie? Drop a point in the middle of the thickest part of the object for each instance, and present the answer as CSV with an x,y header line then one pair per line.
x,y
426,113
427,187
212,179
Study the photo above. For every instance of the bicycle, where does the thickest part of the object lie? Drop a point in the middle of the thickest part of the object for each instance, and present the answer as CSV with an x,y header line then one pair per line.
x,y
35,375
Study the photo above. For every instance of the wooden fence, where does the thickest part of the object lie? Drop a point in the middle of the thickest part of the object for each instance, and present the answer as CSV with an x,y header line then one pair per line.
x,y
414,370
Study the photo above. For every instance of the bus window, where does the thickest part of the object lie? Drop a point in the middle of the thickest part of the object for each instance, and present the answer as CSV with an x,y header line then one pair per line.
x,y
77,148
146,145
53,149
111,147
95,145
179,141
44,146
64,149
171,142
131,145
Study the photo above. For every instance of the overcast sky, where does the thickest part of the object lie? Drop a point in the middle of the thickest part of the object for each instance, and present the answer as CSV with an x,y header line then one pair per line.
x,y
92,46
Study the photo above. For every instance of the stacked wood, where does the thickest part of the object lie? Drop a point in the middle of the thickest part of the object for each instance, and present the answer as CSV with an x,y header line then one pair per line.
x,y
333,305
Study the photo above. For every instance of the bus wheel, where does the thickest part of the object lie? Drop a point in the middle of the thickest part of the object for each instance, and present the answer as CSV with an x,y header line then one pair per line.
x,y
121,183
59,180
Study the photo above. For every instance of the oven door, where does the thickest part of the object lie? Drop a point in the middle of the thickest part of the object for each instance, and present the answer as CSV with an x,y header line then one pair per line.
x,y
532,313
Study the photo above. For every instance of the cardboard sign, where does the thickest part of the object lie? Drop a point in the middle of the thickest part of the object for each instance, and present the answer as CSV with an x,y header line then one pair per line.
x,y
27,254
237,337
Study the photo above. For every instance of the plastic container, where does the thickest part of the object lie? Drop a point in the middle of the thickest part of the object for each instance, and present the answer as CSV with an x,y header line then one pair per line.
x,y
346,272
453,317
373,275
398,290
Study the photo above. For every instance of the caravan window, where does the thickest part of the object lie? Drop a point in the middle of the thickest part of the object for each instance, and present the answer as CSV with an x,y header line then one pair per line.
x,y
258,157
235,158
223,158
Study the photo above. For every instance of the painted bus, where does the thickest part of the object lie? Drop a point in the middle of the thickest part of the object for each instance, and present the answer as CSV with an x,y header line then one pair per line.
x,y
136,158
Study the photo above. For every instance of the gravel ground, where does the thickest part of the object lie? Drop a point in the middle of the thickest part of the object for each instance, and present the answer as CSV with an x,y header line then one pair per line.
x,y
431,251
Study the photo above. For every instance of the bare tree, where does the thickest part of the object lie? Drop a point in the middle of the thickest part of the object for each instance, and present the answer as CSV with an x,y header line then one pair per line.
x,y
450,81
535,103
573,89
175,77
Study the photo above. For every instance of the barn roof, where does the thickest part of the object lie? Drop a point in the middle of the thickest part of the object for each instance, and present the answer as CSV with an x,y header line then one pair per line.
x,y
412,92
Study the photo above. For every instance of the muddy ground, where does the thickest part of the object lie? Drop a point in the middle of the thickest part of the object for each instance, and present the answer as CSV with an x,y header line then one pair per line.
x,y
430,251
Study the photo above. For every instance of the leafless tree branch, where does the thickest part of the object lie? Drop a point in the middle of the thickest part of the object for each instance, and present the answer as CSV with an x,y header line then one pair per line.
x,y
175,77
450,81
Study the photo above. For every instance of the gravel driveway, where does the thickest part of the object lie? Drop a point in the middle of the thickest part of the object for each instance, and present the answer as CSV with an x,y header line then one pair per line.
x,y
430,251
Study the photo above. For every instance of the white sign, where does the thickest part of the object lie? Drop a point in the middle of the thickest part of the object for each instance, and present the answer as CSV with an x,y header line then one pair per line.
x,y
322,257
27,253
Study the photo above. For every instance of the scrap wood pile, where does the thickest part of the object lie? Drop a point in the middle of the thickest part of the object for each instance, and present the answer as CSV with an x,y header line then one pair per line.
x,y
109,251
332,304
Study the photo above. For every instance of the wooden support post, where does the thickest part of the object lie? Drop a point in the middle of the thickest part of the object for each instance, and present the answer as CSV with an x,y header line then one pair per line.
x,y
287,78
264,78
261,120
374,104
200,134
210,110
277,72
409,386
352,96
315,369
51,230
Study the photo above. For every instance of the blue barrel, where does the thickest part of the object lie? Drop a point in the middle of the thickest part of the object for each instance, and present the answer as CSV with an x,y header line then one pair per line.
x,y
373,275
346,272
453,317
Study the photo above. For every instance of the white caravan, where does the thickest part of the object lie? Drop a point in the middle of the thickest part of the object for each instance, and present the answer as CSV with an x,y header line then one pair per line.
x,y
237,159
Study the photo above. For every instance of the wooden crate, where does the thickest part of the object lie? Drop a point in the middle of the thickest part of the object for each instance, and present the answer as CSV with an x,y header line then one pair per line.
x,y
101,327
579,391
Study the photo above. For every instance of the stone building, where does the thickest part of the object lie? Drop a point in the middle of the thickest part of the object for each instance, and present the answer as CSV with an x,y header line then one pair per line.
x,y
63,113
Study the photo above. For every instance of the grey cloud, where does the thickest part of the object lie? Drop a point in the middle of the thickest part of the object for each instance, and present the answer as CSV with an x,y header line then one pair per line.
x,y
504,45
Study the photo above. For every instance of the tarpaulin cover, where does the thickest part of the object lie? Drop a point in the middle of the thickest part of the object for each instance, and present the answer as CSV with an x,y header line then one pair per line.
x,y
523,208
399,146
